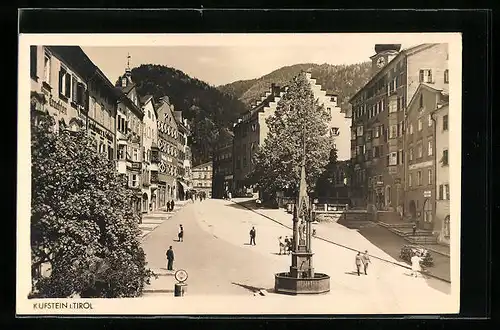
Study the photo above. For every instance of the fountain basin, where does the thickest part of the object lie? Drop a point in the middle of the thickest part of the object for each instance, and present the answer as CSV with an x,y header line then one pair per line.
x,y
284,283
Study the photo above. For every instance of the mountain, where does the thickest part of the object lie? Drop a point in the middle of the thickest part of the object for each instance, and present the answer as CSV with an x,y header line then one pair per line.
x,y
346,80
207,108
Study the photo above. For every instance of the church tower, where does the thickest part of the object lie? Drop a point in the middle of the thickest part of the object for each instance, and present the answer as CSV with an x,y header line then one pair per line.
x,y
384,53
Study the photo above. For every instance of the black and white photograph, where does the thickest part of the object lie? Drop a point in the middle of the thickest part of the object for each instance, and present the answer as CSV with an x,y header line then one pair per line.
x,y
308,173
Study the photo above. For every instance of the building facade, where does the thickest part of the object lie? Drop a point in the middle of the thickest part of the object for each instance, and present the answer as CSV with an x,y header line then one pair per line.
x,y
149,139
168,135
183,157
420,165
202,178
129,131
378,121
442,218
223,165
58,87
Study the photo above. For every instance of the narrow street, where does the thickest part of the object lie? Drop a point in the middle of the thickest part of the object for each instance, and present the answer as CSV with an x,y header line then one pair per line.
x,y
219,261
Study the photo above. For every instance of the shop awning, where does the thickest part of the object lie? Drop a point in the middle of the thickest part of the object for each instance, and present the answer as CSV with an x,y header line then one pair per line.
x,y
185,186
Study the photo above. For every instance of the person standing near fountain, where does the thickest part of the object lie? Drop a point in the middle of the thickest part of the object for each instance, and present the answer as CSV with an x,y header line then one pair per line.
x,y
170,258
252,236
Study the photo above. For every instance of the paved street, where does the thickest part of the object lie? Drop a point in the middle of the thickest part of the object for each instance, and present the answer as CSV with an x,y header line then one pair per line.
x,y
216,254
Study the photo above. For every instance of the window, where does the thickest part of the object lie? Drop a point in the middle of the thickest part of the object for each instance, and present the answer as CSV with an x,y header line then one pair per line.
x,y
419,124
393,132
445,122
92,108
410,177
429,147
411,154
401,157
64,83
446,76
134,181
359,131
394,106
447,192
419,149
74,96
429,177
425,76
149,114
136,155
46,68
393,158
419,178
440,194
429,120
411,129
33,58
377,131
444,160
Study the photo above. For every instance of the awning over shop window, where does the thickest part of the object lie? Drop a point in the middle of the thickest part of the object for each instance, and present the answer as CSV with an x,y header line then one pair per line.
x,y
184,186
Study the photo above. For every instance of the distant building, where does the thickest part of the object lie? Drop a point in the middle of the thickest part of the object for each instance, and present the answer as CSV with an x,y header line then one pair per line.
x,y
183,156
223,165
420,165
441,133
168,135
202,178
378,120
149,141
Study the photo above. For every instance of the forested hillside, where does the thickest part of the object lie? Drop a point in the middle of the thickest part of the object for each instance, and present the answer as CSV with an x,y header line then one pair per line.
x,y
206,107
346,80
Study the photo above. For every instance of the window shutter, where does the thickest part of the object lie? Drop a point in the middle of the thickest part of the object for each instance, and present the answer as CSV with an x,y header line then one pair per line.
x,y
67,88
62,72
430,77
421,76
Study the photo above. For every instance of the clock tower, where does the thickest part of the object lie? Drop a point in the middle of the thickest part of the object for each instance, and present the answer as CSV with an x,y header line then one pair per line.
x,y
384,53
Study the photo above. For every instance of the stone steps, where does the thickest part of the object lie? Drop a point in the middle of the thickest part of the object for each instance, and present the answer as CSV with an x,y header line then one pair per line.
x,y
422,240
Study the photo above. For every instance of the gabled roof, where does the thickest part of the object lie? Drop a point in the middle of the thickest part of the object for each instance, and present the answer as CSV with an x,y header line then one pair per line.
x,y
405,52
145,99
428,87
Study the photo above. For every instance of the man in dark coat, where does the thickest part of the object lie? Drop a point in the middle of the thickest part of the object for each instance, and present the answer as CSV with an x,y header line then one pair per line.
x,y
252,236
172,204
170,259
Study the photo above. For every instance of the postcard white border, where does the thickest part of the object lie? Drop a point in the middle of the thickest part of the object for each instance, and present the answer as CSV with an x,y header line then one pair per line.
x,y
222,304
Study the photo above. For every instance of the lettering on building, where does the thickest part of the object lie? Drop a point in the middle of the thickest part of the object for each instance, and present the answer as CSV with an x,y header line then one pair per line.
x,y
58,105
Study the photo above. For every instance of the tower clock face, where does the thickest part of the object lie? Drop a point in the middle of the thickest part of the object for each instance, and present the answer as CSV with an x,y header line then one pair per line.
x,y
381,62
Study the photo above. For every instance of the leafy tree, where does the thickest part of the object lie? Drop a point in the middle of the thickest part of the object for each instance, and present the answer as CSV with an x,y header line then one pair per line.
x,y
82,222
298,117
326,181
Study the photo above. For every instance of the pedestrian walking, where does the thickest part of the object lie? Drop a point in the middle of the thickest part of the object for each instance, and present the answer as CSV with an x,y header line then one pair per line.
x,y
281,245
170,258
414,228
180,235
358,263
192,197
252,236
366,260
415,265
172,204
229,195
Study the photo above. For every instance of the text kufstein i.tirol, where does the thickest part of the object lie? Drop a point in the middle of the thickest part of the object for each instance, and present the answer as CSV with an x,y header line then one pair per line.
x,y
62,305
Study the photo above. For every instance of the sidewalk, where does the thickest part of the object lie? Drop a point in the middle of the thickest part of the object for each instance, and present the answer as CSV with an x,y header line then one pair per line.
x,y
152,220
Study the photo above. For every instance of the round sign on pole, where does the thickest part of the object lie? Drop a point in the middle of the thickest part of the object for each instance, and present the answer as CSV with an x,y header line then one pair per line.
x,y
181,275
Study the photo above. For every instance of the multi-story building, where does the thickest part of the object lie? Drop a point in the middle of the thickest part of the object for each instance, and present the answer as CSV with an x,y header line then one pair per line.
x,y
420,165
202,178
250,133
149,139
223,165
183,156
168,135
339,125
59,77
378,115
129,131
441,133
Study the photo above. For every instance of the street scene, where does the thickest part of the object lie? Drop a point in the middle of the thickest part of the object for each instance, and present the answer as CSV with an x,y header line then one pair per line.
x,y
178,172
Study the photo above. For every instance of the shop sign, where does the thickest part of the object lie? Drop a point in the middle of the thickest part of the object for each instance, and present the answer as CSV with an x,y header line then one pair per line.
x,y
58,105
101,132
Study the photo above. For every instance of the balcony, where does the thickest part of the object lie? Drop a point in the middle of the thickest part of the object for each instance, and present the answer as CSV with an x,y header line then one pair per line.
x,y
154,177
155,156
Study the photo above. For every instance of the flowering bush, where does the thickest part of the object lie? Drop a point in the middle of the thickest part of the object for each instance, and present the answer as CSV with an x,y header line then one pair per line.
x,y
82,224
408,251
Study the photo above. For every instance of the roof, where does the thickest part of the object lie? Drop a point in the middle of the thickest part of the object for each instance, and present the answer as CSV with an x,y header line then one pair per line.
x,y
145,99
405,52
428,87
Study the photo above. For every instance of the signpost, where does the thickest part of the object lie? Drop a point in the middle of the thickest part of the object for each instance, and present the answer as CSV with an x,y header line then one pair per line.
x,y
180,287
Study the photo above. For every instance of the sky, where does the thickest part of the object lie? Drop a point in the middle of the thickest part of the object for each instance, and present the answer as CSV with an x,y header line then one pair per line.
x,y
221,59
